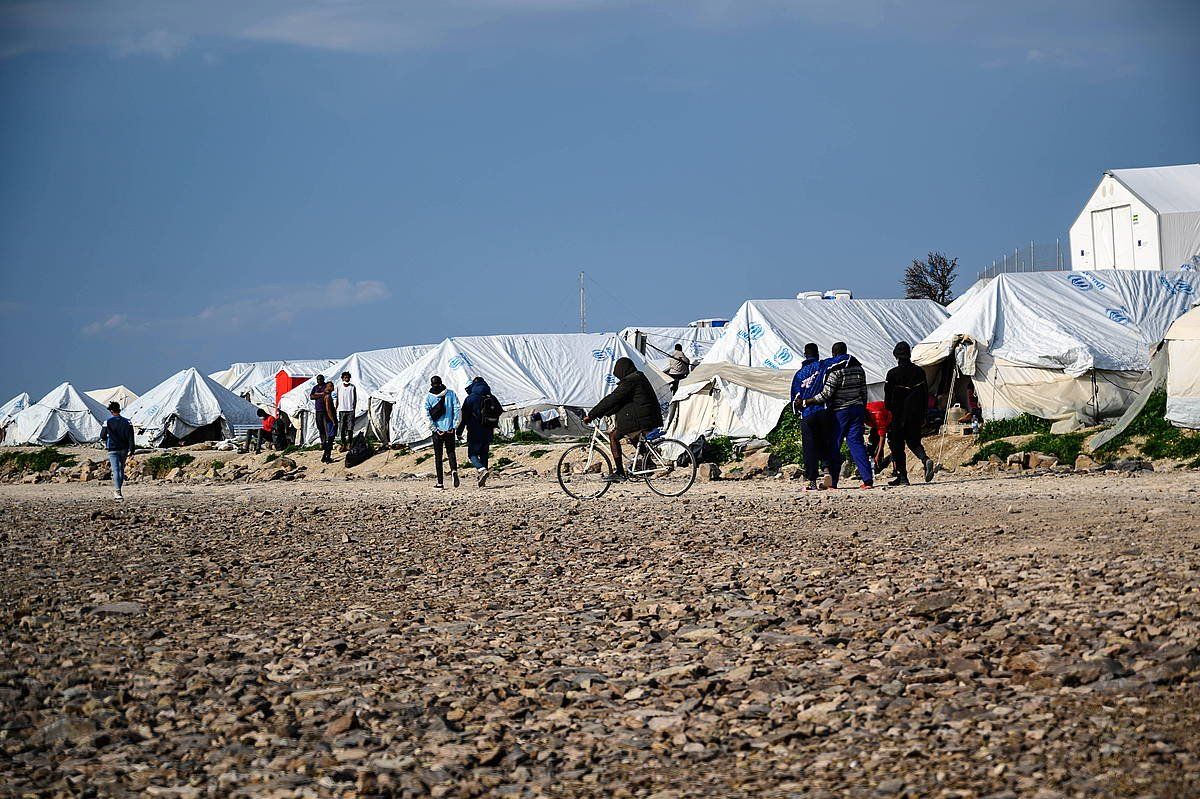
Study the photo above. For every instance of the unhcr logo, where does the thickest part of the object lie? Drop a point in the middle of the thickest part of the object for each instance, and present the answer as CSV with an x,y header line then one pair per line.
x,y
1118,315
605,354
1080,282
1177,287
610,379
753,333
460,361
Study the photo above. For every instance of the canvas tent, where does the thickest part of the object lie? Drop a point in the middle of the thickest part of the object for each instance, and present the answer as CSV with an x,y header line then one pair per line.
x,y
656,343
1183,370
64,416
119,394
1072,347
186,408
743,384
11,408
1140,219
368,371
244,378
563,372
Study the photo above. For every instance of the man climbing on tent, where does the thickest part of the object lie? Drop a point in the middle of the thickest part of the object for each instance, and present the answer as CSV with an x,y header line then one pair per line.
x,y
635,406
814,422
906,394
845,397
678,367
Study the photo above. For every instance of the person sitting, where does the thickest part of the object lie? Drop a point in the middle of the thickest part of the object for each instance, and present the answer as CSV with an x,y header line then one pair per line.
x,y
262,433
635,406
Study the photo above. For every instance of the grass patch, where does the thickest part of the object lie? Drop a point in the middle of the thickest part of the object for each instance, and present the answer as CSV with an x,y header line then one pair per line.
x,y
270,457
719,450
159,465
1023,425
537,453
1001,449
502,462
1161,439
1066,446
37,461
217,465
423,458
527,437
786,440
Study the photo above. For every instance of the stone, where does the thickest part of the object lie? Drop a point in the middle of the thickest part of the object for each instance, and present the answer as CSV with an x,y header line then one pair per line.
x,y
1040,460
1085,463
758,462
118,609
791,471
707,472
66,729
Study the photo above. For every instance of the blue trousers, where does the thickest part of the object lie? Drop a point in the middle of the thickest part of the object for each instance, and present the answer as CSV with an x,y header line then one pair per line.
x,y
117,461
850,430
479,442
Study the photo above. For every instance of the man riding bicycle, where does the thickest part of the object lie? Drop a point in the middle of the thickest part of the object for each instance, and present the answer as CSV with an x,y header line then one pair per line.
x,y
635,405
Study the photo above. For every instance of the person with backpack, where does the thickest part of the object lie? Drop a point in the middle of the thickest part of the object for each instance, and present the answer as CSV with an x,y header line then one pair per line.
x,y
444,414
480,416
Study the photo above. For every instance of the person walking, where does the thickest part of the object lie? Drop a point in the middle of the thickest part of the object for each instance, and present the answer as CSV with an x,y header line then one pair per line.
x,y
444,414
323,416
844,395
906,395
814,424
678,367
117,435
480,414
347,408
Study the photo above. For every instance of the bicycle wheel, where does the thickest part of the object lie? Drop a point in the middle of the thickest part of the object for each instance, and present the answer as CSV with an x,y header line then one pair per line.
x,y
582,471
670,467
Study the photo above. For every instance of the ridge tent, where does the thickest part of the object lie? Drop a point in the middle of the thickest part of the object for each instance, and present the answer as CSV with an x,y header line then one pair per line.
x,y
1072,347
659,342
1183,370
368,371
744,383
1140,219
186,408
563,372
119,394
62,416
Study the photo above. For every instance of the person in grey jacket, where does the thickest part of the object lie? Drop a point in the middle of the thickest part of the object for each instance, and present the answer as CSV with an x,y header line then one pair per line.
x,y
845,398
117,435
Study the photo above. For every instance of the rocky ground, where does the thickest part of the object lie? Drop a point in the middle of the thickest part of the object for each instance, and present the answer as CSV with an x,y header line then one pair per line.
x,y
1002,637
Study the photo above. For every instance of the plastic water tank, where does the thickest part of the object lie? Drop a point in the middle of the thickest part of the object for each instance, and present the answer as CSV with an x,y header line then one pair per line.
x,y
838,294
810,295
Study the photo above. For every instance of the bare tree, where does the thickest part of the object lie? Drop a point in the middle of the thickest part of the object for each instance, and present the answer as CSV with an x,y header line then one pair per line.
x,y
931,279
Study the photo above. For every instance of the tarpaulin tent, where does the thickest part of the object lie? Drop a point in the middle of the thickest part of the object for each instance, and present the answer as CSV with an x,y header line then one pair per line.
x,y
186,408
1140,219
63,416
1072,347
659,342
560,371
118,394
11,408
368,371
766,339
246,379
1183,370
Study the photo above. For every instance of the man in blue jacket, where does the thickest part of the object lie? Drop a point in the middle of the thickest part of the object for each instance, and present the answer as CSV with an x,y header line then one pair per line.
x,y
117,435
444,414
814,426
844,396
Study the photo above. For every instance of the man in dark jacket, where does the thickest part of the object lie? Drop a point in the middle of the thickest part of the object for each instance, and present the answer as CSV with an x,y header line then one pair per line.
x,y
845,397
635,406
906,393
479,432
814,432
117,435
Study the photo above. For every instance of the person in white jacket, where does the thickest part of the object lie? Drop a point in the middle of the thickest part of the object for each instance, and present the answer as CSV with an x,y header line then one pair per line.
x,y
444,413
347,408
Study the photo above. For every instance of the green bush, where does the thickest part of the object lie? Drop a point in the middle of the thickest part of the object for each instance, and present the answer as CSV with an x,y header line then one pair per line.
x,y
537,453
159,465
786,440
1066,446
527,437
502,462
270,457
218,465
38,461
1001,449
719,450
1161,438
1023,425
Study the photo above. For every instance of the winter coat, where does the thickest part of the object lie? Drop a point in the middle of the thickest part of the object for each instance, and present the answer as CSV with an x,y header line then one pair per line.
x,y
906,393
845,383
633,402
472,409
807,383
450,418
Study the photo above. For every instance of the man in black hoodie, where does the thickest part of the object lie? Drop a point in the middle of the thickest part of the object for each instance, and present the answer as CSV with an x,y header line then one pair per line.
x,y
906,393
635,405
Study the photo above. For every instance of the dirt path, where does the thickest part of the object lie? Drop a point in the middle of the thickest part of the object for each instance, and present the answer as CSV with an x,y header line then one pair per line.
x,y
971,638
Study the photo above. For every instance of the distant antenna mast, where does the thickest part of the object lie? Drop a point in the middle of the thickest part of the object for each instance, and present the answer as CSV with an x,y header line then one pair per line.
x,y
582,307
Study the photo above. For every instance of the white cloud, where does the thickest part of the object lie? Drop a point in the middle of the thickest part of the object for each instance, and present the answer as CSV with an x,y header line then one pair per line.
x,y
115,323
160,43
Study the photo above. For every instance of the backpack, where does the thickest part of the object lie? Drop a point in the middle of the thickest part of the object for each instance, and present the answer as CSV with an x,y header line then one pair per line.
x,y
438,409
360,450
490,410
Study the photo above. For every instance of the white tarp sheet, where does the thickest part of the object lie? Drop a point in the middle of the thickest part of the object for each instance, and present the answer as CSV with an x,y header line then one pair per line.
x,y
182,404
14,406
1183,370
368,371
62,416
243,378
661,341
569,369
119,394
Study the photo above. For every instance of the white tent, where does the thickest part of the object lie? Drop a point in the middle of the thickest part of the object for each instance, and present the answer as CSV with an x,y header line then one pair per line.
x,y
11,408
64,416
560,371
768,336
188,407
659,342
262,392
1068,346
119,394
1140,219
1183,370
368,371
243,378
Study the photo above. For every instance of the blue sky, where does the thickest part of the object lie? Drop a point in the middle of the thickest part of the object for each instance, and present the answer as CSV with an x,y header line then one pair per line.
x,y
199,183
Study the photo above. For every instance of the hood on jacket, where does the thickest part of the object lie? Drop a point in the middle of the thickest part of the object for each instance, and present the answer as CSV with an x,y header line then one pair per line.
x,y
623,368
841,361
478,387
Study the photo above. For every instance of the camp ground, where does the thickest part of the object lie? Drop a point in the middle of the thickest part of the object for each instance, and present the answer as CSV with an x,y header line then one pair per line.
x,y
564,374
368,370
187,408
1072,347
743,384
63,416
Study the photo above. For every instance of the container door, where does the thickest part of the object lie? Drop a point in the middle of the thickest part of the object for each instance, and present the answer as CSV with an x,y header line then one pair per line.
x,y
1102,240
1122,222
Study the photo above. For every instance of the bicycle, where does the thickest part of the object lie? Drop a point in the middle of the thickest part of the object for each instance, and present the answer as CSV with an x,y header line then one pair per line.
x,y
668,466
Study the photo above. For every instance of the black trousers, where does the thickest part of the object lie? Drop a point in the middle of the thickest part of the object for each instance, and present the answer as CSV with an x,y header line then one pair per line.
x,y
322,422
814,440
900,435
444,442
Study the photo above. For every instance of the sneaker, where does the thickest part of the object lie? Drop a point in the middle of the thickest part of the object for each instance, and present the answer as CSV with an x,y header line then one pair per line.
x,y
438,487
616,477
484,474
867,485
812,486
118,495
454,477
929,467
899,481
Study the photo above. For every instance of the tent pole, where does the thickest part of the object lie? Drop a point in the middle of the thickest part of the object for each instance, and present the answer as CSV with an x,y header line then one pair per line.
x,y
582,307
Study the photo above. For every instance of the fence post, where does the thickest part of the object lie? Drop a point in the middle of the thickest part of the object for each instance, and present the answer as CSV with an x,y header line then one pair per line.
x,y
1032,257
1058,251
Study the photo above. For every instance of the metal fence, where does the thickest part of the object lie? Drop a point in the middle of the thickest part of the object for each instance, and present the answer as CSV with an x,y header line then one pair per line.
x,y
1032,258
